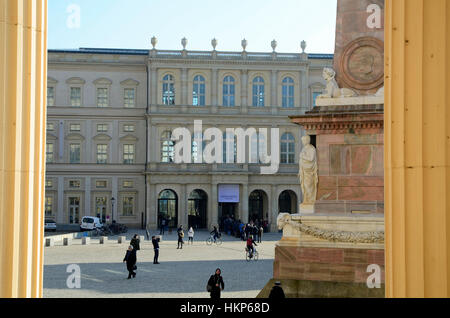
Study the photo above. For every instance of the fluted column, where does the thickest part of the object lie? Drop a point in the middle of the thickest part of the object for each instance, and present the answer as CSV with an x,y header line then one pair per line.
x,y
417,148
23,65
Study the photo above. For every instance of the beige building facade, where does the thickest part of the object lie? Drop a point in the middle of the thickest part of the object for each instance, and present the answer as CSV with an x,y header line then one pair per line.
x,y
110,123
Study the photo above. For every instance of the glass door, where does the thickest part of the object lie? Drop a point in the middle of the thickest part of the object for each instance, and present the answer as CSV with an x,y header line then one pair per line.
x,y
74,210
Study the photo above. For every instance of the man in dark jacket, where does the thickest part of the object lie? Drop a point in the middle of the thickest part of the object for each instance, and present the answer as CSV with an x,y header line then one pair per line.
x,y
180,237
155,241
135,242
277,292
215,284
130,258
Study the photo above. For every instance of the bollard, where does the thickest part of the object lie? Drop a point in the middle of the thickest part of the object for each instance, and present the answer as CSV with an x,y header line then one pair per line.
x,y
67,241
49,242
121,239
103,239
85,240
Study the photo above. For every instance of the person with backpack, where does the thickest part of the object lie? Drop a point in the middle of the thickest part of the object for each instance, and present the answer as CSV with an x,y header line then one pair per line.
x,y
215,284
250,245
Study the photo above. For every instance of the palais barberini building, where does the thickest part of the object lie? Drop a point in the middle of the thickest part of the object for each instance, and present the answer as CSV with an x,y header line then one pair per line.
x,y
111,120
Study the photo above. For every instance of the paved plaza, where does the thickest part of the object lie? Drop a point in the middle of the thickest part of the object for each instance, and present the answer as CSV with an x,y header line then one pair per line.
x,y
183,273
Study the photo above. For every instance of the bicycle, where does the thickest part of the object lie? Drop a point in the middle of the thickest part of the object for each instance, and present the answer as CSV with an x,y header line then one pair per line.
x,y
249,256
210,240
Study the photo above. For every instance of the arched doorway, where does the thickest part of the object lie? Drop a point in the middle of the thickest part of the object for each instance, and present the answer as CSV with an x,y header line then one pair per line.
x,y
287,202
257,206
197,209
168,208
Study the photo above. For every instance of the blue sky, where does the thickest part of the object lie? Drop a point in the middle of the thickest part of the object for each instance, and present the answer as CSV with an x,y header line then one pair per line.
x,y
131,23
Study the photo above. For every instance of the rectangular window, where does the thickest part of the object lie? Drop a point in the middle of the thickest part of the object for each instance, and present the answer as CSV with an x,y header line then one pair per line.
x,y
50,96
50,127
128,206
49,153
75,127
129,98
75,96
75,153
102,97
48,206
129,128
75,184
102,128
48,183
128,154
128,184
315,94
101,184
102,156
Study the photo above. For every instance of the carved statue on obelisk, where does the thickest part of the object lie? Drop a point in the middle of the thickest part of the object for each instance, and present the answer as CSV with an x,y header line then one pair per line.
x,y
308,174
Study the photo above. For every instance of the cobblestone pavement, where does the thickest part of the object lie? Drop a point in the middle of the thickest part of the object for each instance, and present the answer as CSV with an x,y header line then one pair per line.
x,y
183,273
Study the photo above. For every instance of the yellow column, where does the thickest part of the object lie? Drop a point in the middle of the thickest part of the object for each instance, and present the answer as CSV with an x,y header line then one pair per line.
x,y
417,148
23,74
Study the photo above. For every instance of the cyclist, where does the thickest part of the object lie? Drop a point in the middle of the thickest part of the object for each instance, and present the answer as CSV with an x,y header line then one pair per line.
x,y
216,234
250,247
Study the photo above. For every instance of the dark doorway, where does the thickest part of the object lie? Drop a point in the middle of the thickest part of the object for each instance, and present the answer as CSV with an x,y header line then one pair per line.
x,y
225,210
257,205
287,202
168,208
197,209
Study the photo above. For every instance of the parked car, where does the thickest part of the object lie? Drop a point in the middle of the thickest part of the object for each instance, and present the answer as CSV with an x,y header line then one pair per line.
x,y
50,225
89,223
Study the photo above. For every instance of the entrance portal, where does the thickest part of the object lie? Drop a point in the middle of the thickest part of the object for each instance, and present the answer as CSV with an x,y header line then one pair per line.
x,y
168,208
197,209
227,210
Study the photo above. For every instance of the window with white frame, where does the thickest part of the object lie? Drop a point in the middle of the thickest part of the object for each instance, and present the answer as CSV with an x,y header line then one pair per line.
x,y
75,127
167,147
128,206
288,89
198,93
48,206
128,154
102,97
50,96
168,92
258,92
75,153
229,148
101,184
196,152
287,151
102,128
229,91
258,148
75,96
49,153
129,128
129,97
102,154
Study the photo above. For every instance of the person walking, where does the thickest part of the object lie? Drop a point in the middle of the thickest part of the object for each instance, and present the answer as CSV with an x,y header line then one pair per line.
x,y
155,242
135,242
180,237
215,233
277,292
191,235
130,259
215,284
260,233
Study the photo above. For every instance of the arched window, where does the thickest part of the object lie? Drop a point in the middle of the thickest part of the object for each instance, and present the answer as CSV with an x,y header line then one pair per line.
x,y
258,92
258,149
287,151
198,94
288,92
229,94
229,148
168,208
167,147
168,90
197,153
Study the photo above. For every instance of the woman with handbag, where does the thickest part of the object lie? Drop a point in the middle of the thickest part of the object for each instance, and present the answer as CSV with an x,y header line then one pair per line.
x,y
130,258
215,284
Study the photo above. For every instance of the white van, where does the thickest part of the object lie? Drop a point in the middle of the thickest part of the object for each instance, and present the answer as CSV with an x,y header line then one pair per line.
x,y
88,223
